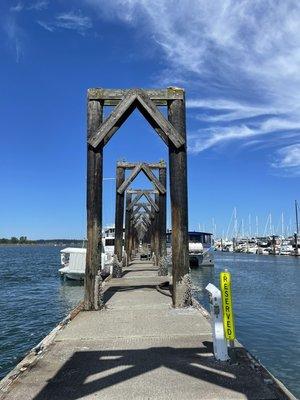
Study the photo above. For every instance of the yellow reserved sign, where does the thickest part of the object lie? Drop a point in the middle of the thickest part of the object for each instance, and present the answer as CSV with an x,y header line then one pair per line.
x,y
228,318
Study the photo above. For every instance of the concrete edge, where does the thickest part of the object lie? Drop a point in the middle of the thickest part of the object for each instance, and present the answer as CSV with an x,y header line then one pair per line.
x,y
33,355
244,355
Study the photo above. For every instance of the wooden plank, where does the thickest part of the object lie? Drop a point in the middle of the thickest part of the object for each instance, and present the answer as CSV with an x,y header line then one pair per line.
x,y
163,214
179,203
114,121
94,210
135,200
127,223
131,177
156,232
137,191
152,202
132,99
153,178
119,213
137,210
138,197
112,97
157,120
128,165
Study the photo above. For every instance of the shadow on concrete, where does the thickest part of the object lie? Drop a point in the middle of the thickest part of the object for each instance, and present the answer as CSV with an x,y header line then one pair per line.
x,y
112,290
90,372
128,271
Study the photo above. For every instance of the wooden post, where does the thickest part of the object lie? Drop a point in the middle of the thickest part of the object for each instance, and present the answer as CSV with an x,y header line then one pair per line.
x,y
162,214
157,230
179,204
130,238
119,214
127,222
94,210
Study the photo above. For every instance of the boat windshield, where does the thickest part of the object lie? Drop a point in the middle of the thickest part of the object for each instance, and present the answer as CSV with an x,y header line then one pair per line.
x,y
194,238
199,237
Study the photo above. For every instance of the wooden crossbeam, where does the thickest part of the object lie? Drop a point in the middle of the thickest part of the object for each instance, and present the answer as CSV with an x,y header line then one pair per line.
x,y
136,98
145,208
142,219
128,165
153,178
147,171
137,191
148,197
111,97
131,177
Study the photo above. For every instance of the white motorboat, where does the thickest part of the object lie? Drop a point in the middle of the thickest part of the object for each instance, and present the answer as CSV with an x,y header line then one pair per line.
x,y
73,262
200,249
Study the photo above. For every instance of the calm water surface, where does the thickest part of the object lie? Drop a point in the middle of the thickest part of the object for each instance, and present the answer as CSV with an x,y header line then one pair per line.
x,y
33,299
266,301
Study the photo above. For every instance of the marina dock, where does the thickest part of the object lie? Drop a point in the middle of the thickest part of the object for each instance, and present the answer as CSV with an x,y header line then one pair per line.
x,y
137,347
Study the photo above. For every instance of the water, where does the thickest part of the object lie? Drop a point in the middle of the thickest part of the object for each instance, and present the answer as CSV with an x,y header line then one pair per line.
x,y
266,300
33,299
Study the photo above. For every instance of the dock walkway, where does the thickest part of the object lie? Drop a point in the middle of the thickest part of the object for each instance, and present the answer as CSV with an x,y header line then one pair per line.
x,y
139,347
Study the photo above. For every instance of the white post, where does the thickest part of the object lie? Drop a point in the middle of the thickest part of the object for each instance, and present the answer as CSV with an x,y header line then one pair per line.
x,y
216,313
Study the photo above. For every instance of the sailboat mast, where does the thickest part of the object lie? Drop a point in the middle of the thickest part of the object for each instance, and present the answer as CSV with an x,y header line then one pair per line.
x,y
297,223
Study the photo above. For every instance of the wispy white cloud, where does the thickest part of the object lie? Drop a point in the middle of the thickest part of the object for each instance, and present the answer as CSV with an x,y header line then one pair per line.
x,y
35,5
46,26
39,5
68,20
17,7
239,61
14,35
288,158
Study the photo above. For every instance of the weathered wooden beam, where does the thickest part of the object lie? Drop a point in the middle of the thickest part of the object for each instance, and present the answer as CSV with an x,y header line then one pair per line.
x,y
112,97
94,210
140,194
119,214
178,190
153,178
136,98
157,120
130,178
162,203
152,202
137,191
128,165
127,222
156,231
145,207
135,200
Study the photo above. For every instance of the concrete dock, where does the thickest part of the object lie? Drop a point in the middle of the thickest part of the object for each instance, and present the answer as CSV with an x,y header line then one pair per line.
x,y
138,347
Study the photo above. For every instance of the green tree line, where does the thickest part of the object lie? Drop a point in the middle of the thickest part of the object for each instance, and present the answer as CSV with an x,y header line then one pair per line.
x,y
15,240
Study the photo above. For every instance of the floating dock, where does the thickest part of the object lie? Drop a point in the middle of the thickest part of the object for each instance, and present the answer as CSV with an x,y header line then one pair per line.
x,y
137,347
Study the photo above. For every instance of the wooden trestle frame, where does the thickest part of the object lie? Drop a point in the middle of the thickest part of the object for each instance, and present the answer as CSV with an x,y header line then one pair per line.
x,y
173,133
122,185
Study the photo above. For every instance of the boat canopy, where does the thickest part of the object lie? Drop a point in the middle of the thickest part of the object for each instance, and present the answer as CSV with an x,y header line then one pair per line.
x,y
73,250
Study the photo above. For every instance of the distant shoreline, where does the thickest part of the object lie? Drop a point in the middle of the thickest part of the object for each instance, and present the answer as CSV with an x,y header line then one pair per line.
x,y
62,243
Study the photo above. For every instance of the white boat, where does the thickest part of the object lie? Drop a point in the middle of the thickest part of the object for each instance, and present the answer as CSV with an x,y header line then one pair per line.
x,y
287,250
73,261
200,249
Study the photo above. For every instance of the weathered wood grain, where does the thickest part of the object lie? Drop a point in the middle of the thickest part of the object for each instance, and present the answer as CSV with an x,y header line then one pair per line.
x,y
112,97
94,209
136,98
127,222
178,191
163,214
119,213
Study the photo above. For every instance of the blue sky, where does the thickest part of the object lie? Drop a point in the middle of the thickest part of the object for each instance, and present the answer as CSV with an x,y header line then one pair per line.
x,y
238,62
